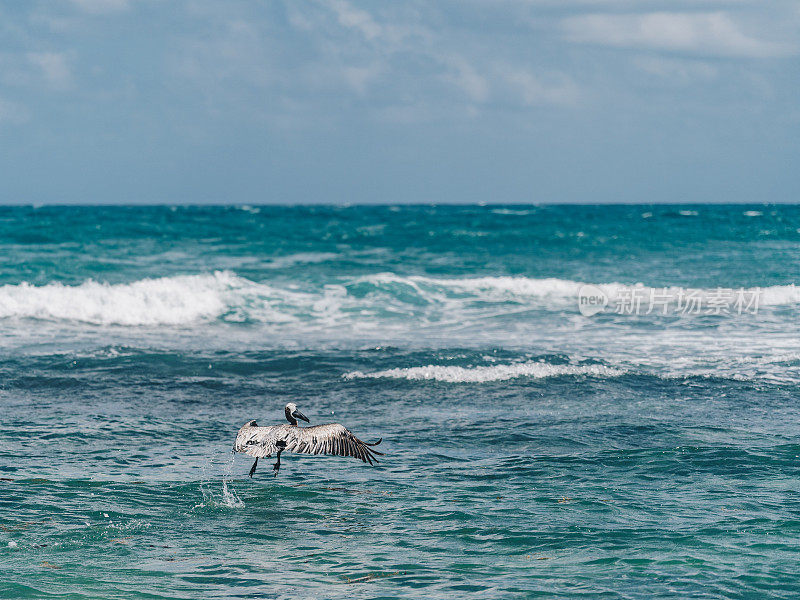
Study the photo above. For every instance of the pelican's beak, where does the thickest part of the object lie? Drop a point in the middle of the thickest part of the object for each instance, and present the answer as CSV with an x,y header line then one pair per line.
x,y
298,415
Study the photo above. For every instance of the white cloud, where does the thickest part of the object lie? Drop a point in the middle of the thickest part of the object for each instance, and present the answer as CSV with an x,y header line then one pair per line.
x,y
712,33
54,68
413,60
536,90
355,18
463,75
358,78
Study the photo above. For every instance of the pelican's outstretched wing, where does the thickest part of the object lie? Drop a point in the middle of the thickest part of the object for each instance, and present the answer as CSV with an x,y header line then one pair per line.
x,y
332,438
260,441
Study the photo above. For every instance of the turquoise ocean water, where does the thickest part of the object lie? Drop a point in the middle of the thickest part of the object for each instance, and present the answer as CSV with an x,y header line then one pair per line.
x,y
531,451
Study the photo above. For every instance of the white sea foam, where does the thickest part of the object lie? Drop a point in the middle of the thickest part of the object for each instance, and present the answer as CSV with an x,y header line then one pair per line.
x,y
534,370
509,286
224,310
511,212
179,300
281,262
778,295
558,291
407,302
166,300
162,301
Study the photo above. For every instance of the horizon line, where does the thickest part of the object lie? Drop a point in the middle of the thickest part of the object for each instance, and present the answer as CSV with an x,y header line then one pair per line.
x,y
37,205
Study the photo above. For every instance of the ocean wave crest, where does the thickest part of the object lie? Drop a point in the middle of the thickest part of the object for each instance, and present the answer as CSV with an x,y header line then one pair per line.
x,y
553,291
165,300
176,300
364,301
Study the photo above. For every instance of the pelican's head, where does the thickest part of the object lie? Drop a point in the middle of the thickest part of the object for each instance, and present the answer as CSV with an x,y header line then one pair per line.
x,y
251,423
292,414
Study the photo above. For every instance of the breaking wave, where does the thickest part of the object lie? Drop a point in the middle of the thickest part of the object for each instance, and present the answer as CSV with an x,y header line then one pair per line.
x,y
161,301
377,298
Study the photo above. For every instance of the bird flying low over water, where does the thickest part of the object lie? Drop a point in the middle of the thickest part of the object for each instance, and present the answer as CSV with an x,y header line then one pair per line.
x,y
332,438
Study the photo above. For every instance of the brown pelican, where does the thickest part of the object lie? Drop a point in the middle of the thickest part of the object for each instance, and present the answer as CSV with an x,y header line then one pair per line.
x,y
332,438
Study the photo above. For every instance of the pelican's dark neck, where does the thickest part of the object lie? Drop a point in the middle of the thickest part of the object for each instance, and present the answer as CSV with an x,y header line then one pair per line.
x,y
290,418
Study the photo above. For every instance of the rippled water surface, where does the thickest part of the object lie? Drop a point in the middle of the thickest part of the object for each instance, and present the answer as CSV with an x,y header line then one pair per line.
x,y
530,450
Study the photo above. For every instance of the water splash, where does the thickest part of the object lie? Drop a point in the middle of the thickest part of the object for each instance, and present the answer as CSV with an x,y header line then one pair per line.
x,y
214,496
229,497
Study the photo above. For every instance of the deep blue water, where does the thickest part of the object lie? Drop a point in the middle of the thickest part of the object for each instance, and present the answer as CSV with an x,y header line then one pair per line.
x,y
531,451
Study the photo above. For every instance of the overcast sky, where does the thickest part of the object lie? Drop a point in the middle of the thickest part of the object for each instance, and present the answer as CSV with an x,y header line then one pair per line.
x,y
208,101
